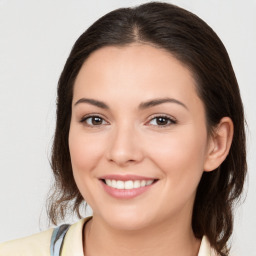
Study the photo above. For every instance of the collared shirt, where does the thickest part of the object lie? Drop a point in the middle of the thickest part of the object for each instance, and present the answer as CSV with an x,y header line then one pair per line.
x,y
39,244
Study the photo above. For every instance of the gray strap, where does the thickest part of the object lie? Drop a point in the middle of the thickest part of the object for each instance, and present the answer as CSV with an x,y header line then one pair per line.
x,y
57,239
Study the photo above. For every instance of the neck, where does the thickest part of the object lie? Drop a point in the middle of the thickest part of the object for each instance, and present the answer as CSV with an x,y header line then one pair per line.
x,y
171,238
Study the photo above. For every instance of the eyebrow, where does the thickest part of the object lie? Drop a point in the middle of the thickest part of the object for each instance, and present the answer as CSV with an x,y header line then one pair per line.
x,y
143,105
155,102
96,103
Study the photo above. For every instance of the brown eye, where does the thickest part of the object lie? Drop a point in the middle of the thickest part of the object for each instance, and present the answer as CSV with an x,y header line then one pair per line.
x,y
162,121
96,120
93,121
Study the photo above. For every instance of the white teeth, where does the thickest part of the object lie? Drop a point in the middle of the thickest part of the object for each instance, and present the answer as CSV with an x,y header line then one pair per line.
x,y
136,184
113,183
108,182
143,183
129,184
120,184
149,182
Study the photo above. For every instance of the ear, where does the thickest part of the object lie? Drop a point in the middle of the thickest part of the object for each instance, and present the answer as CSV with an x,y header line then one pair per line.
x,y
219,144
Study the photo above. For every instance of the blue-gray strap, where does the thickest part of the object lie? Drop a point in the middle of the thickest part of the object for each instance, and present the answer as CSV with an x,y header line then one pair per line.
x,y
57,239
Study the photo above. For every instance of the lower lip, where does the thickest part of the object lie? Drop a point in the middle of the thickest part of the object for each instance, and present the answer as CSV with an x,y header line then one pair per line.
x,y
125,193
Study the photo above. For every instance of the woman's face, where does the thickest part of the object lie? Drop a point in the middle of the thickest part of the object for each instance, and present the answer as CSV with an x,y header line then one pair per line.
x,y
138,138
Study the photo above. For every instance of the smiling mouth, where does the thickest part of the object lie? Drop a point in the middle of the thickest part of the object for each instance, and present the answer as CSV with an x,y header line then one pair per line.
x,y
129,184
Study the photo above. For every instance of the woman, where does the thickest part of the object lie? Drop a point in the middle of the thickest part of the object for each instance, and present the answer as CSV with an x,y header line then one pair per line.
x,y
150,133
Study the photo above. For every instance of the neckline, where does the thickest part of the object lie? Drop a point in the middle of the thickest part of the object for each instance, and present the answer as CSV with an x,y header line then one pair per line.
x,y
74,241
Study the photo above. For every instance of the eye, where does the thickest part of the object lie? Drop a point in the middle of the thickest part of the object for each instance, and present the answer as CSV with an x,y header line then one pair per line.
x,y
93,121
161,121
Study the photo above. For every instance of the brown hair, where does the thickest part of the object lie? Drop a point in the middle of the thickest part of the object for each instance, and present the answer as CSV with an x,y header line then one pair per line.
x,y
196,45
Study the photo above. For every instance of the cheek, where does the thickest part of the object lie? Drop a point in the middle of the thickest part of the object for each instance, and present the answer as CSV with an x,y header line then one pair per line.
x,y
85,151
180,155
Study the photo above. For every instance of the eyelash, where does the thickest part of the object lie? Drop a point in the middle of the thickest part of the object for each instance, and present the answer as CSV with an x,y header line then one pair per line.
x,y
170,120
86,118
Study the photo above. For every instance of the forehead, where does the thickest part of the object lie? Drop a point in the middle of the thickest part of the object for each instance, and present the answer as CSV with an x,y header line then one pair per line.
x,y
134,70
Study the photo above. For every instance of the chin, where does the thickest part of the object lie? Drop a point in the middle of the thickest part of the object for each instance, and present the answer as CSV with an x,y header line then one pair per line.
x,y
126,220
128,224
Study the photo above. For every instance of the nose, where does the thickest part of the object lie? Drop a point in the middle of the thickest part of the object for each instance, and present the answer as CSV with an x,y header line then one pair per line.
x,y
124,146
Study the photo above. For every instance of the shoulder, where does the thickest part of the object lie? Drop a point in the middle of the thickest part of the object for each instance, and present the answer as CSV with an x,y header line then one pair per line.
x,y
38,244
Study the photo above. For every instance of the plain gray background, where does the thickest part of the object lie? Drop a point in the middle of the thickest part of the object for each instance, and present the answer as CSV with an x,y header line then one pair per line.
x,y
35,40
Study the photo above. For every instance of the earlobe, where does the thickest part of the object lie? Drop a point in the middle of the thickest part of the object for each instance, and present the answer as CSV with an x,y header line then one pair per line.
x,y
219,144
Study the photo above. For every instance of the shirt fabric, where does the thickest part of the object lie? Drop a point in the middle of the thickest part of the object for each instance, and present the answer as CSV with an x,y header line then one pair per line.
x,y
39,244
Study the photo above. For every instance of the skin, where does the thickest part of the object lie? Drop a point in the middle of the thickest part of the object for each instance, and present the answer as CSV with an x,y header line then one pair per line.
x,y
129,139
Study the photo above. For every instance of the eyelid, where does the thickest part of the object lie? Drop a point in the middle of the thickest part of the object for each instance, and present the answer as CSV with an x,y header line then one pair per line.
x,y
170,118
91,115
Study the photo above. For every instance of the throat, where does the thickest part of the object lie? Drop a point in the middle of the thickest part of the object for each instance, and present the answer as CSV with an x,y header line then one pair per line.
x,y
107,242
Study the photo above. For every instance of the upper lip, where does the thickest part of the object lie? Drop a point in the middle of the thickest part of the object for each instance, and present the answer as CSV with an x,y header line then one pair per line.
x,y
125,177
